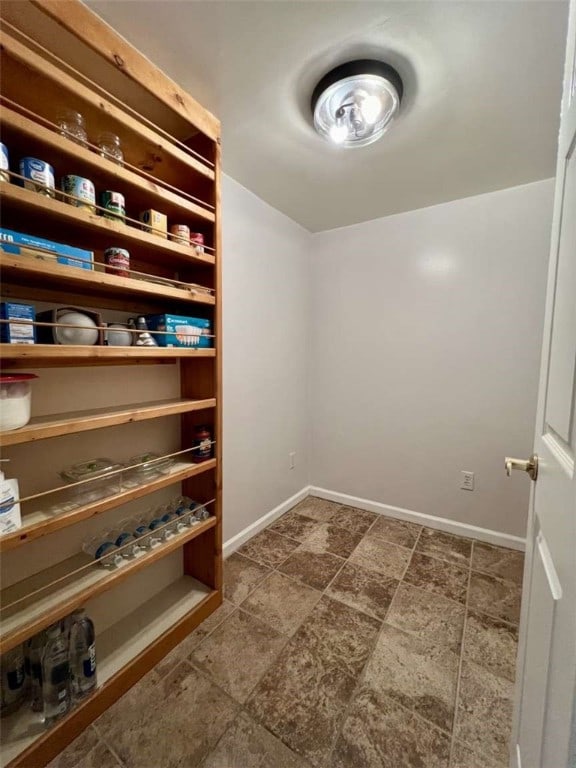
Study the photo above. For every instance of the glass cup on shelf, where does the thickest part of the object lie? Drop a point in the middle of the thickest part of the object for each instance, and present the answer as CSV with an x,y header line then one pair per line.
x,y
110,147
71,124
155,524
141,530
125,540
104,550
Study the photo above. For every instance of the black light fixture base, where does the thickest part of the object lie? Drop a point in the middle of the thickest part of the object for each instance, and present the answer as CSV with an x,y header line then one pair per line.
x,y
355,68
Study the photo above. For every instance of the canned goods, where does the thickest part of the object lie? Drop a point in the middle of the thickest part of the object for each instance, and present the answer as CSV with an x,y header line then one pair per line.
x,y
4,164
180,233
118,261
114,204
197,241
38,176
81,189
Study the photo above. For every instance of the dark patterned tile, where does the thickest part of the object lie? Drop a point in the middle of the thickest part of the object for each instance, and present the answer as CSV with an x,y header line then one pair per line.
x,y
241,576
330,538
316,509
418,674
171,723
87,751
484,717
190,643
282,602
378,733
496,561
247,745
294,526
363,590
353,519
464,757
238,653
496,597
268,548
309,565
380,556
492,644
342,637
444,546
437,576
397,531
427,616
301,700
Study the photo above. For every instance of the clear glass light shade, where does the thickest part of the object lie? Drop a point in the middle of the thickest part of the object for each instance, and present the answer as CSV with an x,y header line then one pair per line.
x,y
357,110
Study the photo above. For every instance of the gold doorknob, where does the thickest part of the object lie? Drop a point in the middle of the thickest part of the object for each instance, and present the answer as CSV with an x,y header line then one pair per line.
x,y
526,465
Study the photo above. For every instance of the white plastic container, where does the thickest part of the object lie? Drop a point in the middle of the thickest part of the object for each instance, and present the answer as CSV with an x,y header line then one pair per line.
x,y
15,400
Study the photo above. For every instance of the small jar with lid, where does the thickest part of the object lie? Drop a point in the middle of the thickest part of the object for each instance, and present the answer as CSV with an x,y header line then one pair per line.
x,y
110,147
71,125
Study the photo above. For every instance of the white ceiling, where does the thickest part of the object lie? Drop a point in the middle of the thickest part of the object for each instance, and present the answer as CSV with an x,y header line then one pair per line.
x,y
482,94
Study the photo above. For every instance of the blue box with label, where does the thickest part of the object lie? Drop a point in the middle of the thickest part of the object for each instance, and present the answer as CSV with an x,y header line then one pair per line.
x,y
193,332
18,332
20,244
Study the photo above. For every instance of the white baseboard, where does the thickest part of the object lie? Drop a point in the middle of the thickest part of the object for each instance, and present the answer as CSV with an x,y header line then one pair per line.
x,y
251,530
440,523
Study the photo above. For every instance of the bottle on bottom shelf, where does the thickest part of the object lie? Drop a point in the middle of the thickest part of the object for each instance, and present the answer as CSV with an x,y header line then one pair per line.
x,y
13,681
82,655
55,674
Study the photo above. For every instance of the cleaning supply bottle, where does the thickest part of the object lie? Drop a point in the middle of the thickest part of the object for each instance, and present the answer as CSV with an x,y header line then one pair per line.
x,y
55,674
82,655
10,519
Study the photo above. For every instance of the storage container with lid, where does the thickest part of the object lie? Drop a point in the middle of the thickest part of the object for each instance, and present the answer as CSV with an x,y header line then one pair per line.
x,y
151,466
99,483
15,400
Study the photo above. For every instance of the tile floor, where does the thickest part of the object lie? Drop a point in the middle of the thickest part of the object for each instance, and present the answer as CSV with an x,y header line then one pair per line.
x,y
346,640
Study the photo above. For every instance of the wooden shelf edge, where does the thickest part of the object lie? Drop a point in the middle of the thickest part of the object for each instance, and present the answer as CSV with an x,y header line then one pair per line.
x,y
52,742
84,421
23,535
70,215
108,581
56,354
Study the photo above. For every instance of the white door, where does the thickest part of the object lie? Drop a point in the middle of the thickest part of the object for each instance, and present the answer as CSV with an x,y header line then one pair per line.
x,y
545,717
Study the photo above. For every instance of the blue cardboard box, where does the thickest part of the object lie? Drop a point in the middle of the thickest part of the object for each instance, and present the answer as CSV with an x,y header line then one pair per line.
x,y
193,332
18,243
17,333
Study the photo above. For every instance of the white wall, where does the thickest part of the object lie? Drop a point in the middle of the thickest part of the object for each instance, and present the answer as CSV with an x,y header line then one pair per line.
x,y
266,281
426,334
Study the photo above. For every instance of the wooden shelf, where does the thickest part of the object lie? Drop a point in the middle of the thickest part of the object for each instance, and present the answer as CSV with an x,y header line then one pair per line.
x,y
30,271
116,648
28,138
44,522
43,427
38,610
54,355
57,216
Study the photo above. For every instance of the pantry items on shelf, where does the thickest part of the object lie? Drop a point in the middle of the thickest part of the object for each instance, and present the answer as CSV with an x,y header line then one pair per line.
x,y
180,331
117,261
180,233
55,674
74,326
12,681
143,339
72,126
98,482
4,163
10,519
81,191
22,330
154,222
15,400
110,147
18,244
82,645
202,445
197,242
114,205
118,335
38,176
145,467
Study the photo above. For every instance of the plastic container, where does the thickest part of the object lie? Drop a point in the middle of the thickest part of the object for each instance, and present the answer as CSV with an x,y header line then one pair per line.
x,y
152,466
15,400
95,471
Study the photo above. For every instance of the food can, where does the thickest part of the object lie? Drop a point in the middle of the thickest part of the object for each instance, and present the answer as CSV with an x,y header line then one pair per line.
x,y
114,204
118,261
197,241
82,189
4,164
180,233
38,176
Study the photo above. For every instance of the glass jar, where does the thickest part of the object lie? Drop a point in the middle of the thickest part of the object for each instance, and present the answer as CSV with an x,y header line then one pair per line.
x,y
71,125
111,148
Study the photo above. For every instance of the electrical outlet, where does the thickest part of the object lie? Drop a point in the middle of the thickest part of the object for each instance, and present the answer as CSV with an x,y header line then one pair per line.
x,y
292,457
467,481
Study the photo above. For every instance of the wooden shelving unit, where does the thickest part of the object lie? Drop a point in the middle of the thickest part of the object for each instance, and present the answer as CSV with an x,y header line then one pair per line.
x,y
60,53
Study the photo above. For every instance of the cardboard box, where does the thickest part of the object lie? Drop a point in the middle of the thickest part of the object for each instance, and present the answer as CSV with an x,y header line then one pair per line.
x,y
18,244
193,332
155,222
17,333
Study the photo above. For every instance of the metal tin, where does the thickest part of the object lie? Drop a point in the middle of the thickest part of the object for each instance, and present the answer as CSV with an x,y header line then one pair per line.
x,y
117,261
4,163
82,189
38,176
114,204
180,233
197,241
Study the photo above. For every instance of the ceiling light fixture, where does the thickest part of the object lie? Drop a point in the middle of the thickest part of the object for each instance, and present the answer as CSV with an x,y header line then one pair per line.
x,y
354,104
